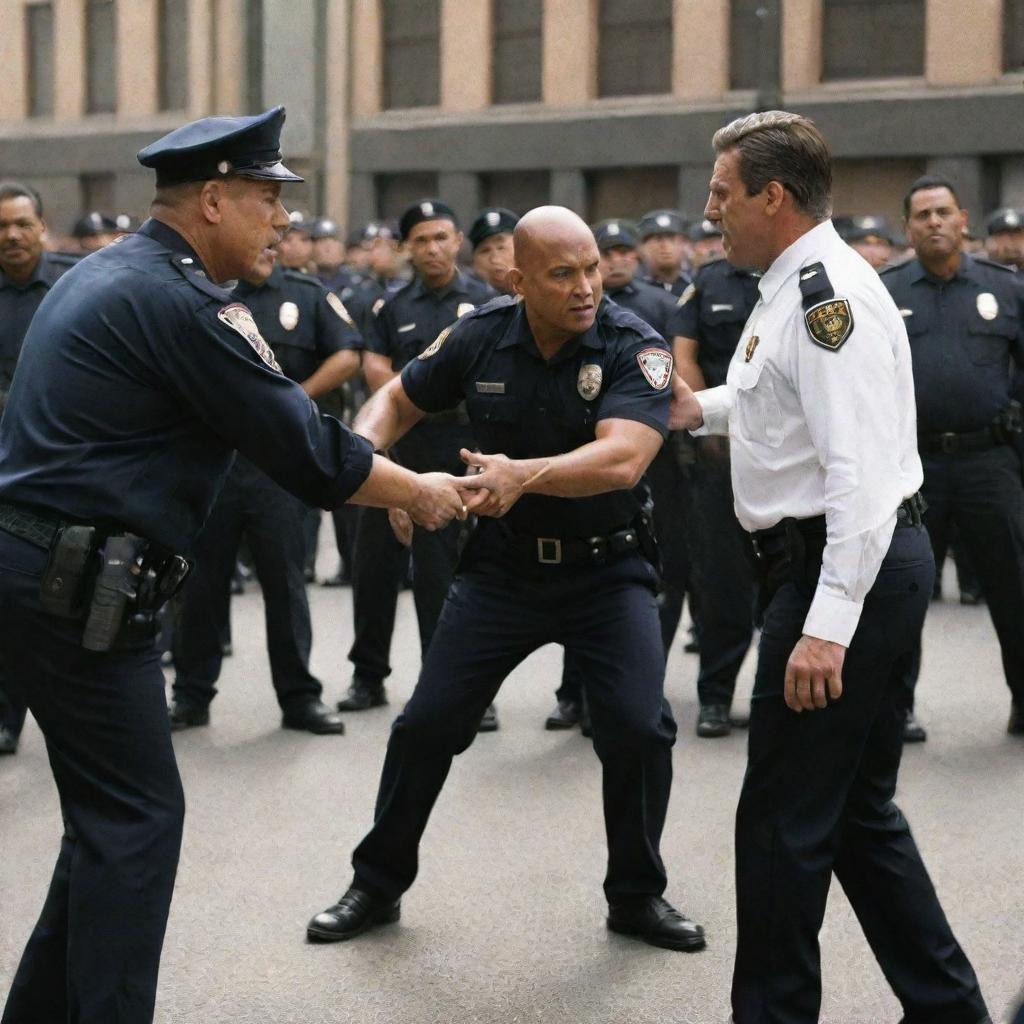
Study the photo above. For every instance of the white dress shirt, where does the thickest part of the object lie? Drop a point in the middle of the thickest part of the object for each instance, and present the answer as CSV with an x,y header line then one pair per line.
x,y
815,431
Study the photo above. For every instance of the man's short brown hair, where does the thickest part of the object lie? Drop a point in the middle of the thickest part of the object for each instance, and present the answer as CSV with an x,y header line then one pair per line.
x,y
788,148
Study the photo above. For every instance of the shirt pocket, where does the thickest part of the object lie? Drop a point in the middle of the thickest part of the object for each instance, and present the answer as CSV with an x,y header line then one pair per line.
x,y
989,342
757,412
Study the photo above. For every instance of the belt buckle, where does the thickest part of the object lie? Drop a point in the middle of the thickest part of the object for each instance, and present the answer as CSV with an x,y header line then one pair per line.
x,y
949,443
758,550
552,545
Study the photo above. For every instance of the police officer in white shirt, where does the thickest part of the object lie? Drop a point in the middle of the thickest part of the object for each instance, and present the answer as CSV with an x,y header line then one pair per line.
x,y
819,407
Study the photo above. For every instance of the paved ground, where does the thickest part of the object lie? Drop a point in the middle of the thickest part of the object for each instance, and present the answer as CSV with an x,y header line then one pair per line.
x,y
505,923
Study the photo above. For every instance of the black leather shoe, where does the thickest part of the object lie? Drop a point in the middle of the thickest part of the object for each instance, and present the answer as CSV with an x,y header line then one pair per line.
x,y
339,579
187,716
8,740
315,717
971,598
352,915
1015,726
489,723
713,721
567,715
656,922
361,697
913,730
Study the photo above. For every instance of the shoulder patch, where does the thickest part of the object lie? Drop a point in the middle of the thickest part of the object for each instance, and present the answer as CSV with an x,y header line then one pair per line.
x,y
830,323
378,306
339,307
240,320
656,364
688,293
435,346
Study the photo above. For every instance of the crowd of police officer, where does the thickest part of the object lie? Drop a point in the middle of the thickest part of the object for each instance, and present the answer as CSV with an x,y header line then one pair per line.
x,y
344,314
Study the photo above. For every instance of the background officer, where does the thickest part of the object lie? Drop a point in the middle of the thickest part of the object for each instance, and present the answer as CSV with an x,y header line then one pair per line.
x,y
138,378
705,243
665,250
93,231
328,255
490,235
819,406
575,397
295,251
705,328
1004,237
870,236
965,320
317,345
27,273
403,327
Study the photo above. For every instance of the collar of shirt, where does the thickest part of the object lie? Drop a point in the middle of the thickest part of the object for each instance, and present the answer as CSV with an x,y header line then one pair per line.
x,y
169,239
626,289
811,243
275,281
518,333
967,271
457,285
39,275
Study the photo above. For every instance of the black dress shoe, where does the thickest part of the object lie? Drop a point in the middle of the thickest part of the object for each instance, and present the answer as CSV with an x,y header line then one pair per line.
x,y
339,579
656,922
713,721
567,715
1015,726
187,716
8,740
489,723
913,730
352,915
362,697
315,717
971,597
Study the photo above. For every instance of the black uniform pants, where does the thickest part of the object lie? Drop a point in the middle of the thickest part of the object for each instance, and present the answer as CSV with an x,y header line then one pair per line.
x,y
272,521
983,494
722,572
817,799
495,615
12,701
94,955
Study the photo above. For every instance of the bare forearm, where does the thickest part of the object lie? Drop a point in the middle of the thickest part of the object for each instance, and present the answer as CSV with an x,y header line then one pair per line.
x,y
332,373
386,416
387,486
685,353
608,464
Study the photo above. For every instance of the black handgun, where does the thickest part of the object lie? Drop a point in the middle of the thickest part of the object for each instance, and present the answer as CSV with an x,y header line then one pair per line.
x,y
116,584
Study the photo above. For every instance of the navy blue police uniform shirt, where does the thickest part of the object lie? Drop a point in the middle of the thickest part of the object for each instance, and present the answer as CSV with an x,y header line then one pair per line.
x,y
672,288
713,311
18,304
302,322
138,379
414,316
526,408
654,305
965,334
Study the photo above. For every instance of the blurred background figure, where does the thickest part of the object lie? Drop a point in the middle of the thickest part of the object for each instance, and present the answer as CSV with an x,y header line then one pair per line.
x,y
295,250
93,231
1004,238
665,250
490,235
706,243
870,236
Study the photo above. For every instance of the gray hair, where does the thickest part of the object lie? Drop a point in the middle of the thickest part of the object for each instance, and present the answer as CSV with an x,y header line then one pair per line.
x,y
788,148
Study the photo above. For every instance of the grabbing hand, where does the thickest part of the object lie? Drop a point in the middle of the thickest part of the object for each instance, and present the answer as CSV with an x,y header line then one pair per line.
x,y
494,482
437,501
685,412
401,526
814,665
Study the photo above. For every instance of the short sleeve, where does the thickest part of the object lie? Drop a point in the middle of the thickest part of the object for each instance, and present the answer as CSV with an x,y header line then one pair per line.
x,y
639,388
434,379
684,320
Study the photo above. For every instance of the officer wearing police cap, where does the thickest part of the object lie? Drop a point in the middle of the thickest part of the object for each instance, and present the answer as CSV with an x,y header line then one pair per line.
x,y
870,236
1004,241
490,234
139,377
665,250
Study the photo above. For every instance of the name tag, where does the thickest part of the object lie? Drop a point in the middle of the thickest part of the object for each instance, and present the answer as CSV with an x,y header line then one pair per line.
x,y
487,388
720,307
405,327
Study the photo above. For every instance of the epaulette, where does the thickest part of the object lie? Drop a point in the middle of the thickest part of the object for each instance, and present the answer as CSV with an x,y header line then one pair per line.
x,y
829,320
495,305
992,263
185,265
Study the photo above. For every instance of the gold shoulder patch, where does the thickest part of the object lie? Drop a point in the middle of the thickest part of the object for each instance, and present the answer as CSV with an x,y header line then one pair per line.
x,y
434,347
339,307
830,323
688,293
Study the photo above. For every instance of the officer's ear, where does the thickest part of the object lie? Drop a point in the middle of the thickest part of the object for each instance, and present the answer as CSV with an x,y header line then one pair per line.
x,y
211,200
775,193
515,280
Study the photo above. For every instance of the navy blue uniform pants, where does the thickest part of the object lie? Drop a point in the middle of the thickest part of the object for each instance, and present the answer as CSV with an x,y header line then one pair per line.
x,y
983,495
12,701
495,615
94,954
817,799
272,521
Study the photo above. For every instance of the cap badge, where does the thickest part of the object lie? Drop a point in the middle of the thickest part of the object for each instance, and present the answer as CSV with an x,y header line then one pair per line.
x,y
463,308
223,167
830,323
613,228
493,218
239,319
1012,219
656,364
988,306
588,383
748,352
288,314
427,209
339,307
663,221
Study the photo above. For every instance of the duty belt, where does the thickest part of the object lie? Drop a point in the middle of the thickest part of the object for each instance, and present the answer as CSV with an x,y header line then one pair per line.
x,y
954,444
573,550
28,525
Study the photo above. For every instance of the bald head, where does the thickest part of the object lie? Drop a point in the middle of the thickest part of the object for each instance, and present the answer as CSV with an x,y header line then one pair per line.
x,y
556,273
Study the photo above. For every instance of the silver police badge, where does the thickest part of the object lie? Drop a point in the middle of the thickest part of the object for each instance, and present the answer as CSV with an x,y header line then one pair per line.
x,y
288,314
988,306
588,383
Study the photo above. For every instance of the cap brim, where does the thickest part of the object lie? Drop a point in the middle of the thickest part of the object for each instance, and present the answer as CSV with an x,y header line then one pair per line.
x,y
275,172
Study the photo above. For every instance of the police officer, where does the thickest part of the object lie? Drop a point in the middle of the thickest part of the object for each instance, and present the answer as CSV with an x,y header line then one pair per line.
x,y
705,328
317,345
819,407
705,242
93,231
965,319
490,235
1004,237
138,377
404,326
665,250
328,255
570,401
295,251
869,235
27,272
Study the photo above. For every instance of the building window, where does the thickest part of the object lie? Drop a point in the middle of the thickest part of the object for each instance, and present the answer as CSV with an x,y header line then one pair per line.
x,y
635,47
101,57
744,44
173,54
39,32
630,191
1013,35
873,39
517,191
397,191
412,39
517,51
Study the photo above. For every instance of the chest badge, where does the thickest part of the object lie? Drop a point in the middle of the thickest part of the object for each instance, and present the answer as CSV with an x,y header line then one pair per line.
x,y
830,323
463,308
339,307
288,314
656,364
239,319
588,383
748,352
988,306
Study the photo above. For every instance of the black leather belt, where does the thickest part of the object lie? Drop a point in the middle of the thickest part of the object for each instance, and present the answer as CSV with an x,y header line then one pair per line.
x,y
957,444
28,525
572,550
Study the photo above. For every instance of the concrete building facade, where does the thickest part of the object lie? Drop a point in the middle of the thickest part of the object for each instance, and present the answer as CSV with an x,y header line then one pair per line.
x,y
607,106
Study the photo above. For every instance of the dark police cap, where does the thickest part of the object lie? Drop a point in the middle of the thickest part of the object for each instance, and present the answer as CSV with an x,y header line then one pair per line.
x,y
870,227
661,222
324,227
383,229
612,233
703,230
1005,219
495,220
217,146
425,209
125,222
93,223
298,220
